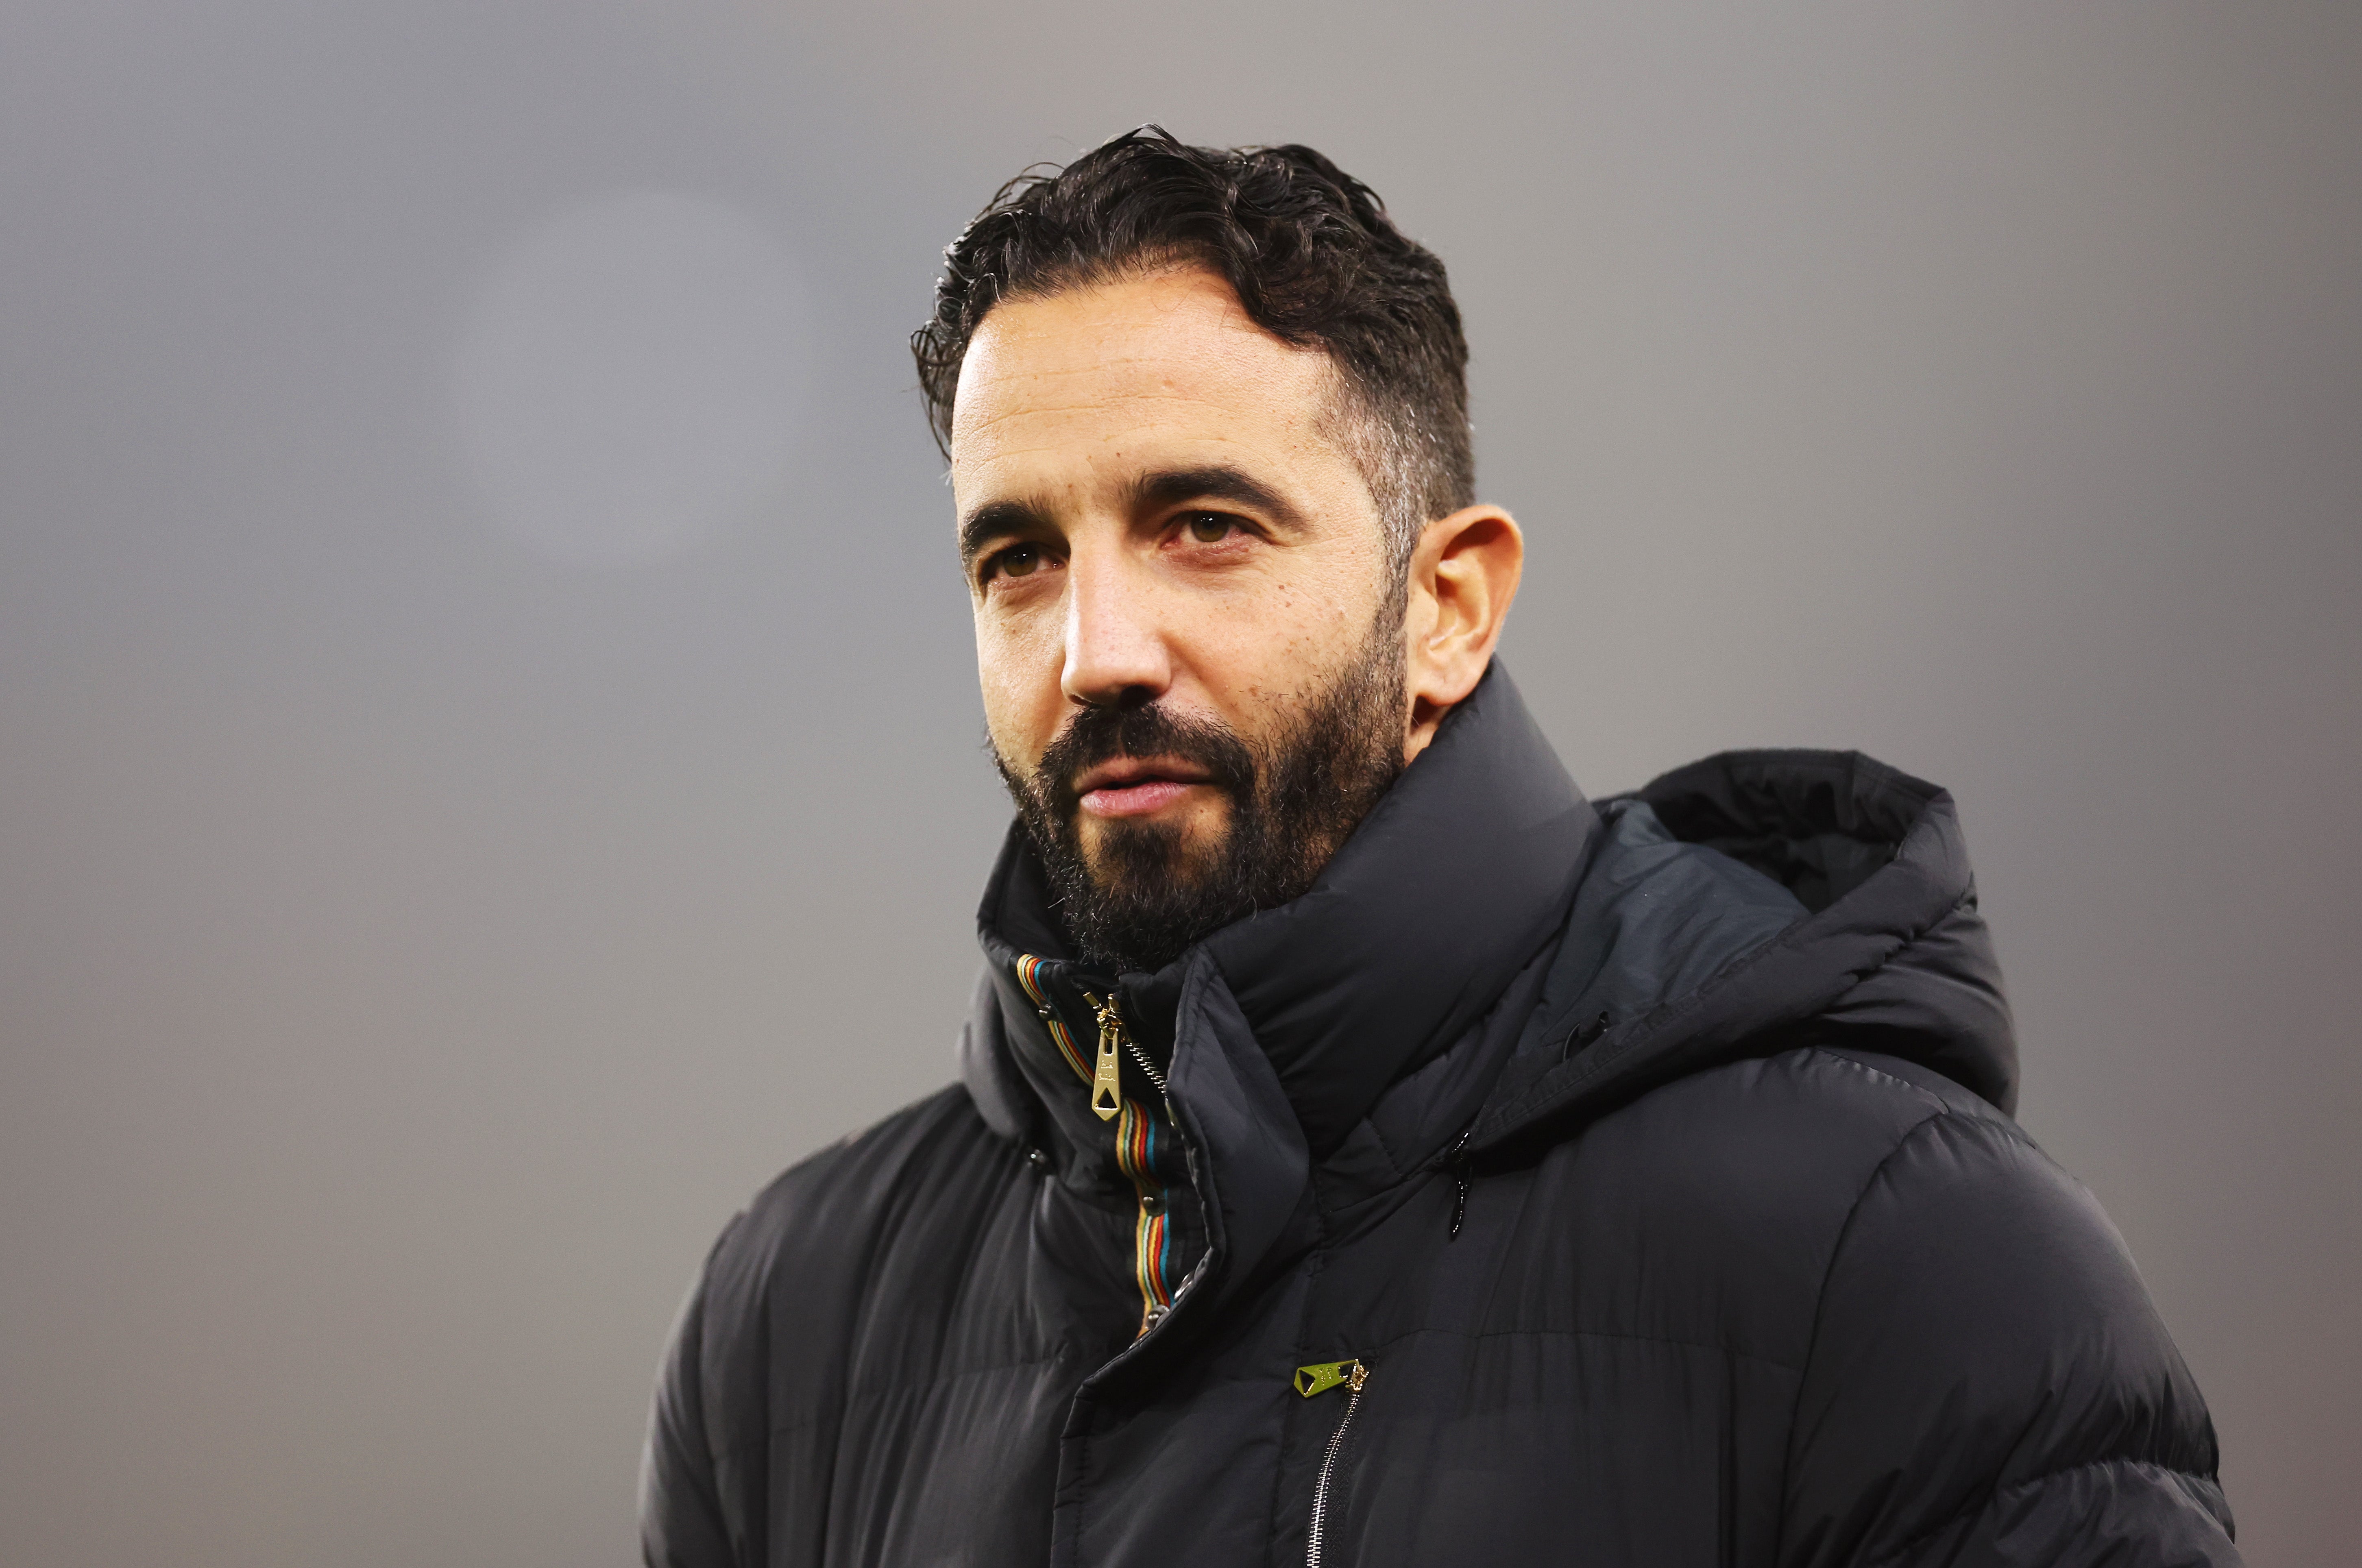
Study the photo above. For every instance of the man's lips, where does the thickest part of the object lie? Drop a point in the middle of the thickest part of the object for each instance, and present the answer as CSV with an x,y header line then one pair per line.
x,y
1136,787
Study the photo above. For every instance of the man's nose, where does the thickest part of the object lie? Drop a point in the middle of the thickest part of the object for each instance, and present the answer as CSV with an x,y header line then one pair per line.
x,y
1116,654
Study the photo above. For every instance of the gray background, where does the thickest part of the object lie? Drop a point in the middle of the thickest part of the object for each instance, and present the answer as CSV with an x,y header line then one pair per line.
x,y
490,769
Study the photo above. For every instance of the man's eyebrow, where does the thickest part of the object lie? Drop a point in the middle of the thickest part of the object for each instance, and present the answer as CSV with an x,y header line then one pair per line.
x,y
996,520
1166,487
1219,482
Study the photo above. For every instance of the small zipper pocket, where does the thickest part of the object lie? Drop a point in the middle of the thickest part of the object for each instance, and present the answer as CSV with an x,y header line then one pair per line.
x,y
1324,1376
1310,1381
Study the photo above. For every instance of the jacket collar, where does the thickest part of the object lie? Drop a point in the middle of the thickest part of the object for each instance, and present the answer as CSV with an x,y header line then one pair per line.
x,y
1457,879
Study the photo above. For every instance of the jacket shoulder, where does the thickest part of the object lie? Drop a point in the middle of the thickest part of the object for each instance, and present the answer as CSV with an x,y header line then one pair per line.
x,y
762,1343
1783,1145
1986,1376
843,1190
1980,1370
865,1218
1730,1190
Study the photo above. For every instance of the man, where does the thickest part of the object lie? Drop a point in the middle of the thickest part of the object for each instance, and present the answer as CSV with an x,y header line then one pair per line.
x,y
1368,1150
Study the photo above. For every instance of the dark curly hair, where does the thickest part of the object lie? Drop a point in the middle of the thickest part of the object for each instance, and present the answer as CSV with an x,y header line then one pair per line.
x,y
1308,248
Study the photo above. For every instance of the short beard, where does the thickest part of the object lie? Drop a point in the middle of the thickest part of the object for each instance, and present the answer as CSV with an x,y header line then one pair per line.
x,y
1294,801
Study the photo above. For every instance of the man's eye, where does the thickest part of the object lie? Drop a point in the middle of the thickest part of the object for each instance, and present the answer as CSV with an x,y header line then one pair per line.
x,y
1211,528
1018,560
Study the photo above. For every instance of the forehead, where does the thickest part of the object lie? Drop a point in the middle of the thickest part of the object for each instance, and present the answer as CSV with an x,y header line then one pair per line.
x,y
1102,380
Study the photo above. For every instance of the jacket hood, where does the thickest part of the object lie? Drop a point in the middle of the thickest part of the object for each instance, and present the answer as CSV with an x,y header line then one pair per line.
x,y
1756,901
1729,908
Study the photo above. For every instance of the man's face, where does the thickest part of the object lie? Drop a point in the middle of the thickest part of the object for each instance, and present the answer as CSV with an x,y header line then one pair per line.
x,y
1190,654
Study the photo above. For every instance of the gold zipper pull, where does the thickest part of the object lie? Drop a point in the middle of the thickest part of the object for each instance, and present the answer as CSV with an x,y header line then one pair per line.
x,y
1322,1376
1107,1081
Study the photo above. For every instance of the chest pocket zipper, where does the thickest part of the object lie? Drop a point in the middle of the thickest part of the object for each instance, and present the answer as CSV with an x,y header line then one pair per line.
x,y
1315,1380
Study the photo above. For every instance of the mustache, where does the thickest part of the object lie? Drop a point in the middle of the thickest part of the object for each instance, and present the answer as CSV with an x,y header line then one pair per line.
x,y
1096,736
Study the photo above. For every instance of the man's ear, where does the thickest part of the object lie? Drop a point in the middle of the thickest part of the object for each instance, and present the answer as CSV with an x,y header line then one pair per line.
x,y
1464,574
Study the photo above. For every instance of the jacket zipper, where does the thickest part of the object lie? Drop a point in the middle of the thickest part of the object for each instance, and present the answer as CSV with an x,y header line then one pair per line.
x,y
1135,1154
1113,1038
1107,1082
1135,1129
1147,1068
1309,1381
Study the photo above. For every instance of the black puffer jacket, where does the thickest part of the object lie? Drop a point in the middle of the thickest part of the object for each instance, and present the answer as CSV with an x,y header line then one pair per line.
x,y
1629,1185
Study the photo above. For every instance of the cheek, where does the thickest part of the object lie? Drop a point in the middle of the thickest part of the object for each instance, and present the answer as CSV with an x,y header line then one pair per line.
x,y
1285,643
1019,668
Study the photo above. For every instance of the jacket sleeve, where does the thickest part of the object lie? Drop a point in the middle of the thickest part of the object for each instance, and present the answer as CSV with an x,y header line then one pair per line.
x,y
681,1518
1989,1385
